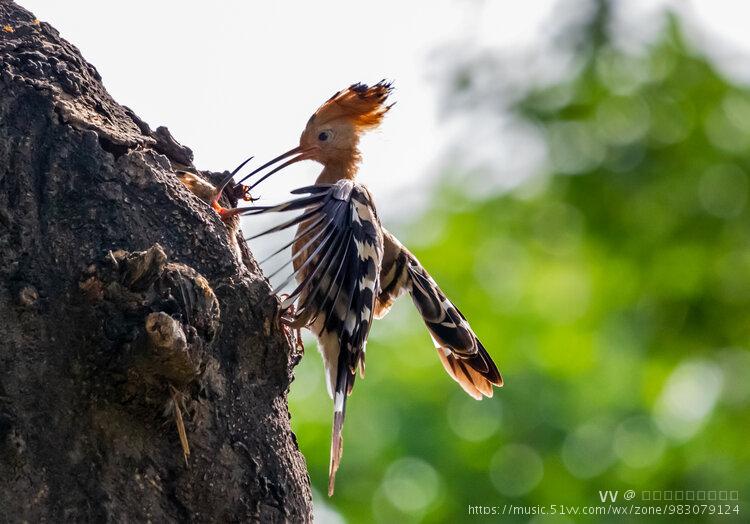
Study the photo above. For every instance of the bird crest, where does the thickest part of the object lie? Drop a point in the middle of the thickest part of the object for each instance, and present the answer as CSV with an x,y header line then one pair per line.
x,y
364,106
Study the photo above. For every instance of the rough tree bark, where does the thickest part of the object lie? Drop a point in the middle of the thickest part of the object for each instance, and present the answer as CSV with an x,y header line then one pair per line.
x,y
123,299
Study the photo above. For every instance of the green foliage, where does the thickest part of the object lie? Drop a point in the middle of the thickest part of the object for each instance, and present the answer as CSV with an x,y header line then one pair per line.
x,y
613,293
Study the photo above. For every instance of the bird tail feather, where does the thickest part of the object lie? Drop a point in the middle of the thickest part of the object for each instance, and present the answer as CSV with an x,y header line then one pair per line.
x,y
344,385
462,354
337,446
476,375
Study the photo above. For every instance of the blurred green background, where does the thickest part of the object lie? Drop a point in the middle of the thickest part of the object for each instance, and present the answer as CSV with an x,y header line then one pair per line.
x,y
611,287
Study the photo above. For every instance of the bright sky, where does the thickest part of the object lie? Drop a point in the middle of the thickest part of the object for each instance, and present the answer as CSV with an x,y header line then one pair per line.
x,y
232,79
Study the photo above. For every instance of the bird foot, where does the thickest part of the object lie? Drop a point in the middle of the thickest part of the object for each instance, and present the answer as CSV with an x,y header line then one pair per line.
x,y
299,344
293,335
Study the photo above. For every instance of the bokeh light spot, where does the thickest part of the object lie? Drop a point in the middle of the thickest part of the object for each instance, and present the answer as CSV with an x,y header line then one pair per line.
x,y
688,398
587,451
723,132
562,294
558,228
516,469
723,190
735,364
501,267
575,147
411,484
623,74
638,443
474,421
623,120
671,121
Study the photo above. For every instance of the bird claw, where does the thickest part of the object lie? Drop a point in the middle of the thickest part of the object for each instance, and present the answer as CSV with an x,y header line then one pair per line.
x,y
293,335
299,345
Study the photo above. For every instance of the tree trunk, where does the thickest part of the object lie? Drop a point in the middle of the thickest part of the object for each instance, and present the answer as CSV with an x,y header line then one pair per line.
x,y
128,311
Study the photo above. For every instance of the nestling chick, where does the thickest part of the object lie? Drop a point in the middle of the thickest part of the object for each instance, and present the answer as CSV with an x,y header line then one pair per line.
x,y
197,185
207,192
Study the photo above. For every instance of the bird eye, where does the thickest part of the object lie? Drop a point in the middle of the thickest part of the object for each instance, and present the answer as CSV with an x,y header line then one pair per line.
x,y
324,136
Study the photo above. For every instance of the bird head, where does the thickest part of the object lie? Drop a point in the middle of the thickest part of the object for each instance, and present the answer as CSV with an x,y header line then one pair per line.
x,y
197,185
332,134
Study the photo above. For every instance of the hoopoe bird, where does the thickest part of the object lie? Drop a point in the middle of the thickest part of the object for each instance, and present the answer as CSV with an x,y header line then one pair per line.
x,y
349,269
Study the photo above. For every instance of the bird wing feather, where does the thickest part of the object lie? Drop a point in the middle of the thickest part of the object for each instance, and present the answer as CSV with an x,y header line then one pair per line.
x,y
337,267
462,354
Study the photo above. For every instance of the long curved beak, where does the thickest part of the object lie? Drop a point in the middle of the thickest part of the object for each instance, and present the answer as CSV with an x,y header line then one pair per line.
x,y
303,154
224,182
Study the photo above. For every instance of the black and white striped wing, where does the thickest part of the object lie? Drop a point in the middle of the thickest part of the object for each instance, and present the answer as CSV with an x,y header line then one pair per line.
x,y
337,254
462,354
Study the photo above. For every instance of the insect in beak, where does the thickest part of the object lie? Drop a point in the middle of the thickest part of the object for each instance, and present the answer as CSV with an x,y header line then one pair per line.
x,y
301,154
215,201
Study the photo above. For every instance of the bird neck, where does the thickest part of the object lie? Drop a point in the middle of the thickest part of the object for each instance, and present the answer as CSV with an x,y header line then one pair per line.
x,y
342,170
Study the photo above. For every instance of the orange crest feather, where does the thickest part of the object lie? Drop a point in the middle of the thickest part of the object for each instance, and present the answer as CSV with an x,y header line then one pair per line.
x,y
363,105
